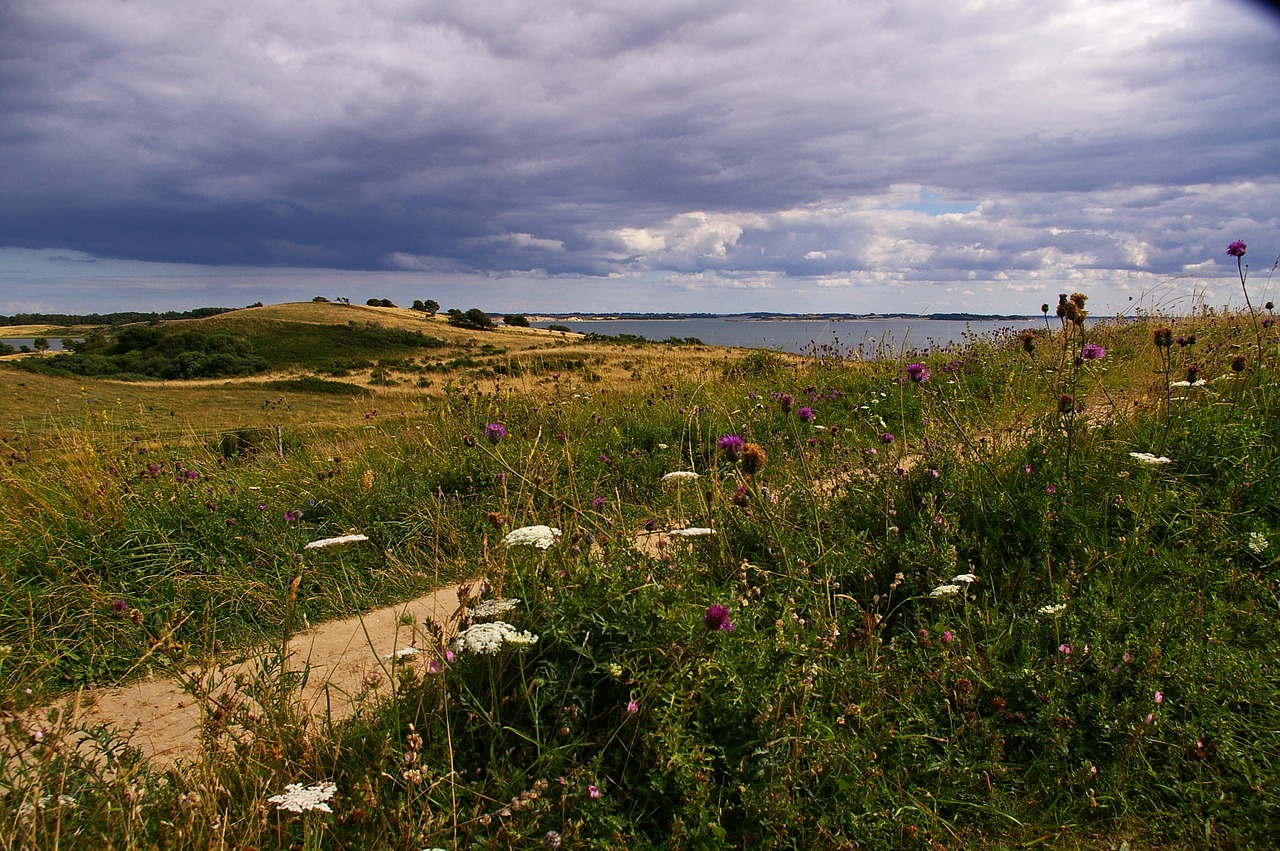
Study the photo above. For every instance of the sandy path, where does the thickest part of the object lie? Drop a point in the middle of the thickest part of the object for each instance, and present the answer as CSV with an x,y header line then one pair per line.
x,y
162,719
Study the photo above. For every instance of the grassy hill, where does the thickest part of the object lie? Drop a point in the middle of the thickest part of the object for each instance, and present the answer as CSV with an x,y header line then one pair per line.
x,y
1017,593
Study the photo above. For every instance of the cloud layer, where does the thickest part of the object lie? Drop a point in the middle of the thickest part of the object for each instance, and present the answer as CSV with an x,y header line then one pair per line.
x,y
806,153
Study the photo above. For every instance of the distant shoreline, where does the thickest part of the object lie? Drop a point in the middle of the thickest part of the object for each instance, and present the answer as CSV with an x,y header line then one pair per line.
x,y
781,317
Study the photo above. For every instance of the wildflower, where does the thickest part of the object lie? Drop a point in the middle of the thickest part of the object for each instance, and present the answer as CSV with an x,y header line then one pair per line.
x,y
1258,543
1238,363
716,618
402,653
537,536
1159,698
753,459
593,791
292,516
488,638
1052,609
1028,337
947,637
945,591
1236,249
679,476
691,532
1092,351
492,608
551,840
494,432
806,415
786,400
1162,337
1066,404
119,608
966,578
1064,649
1148,458
598,502
333,542
1051,488
886,438
731,445
297,799
632,707
917,373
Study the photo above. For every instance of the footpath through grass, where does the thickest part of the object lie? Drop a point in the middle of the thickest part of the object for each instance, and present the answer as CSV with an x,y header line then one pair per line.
x,y
1018,592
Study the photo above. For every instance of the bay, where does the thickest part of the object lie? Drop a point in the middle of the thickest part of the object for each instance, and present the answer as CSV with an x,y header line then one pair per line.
x,y
850,338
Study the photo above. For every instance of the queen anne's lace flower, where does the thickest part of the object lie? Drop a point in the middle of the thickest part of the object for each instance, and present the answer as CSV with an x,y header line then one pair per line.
x,y
945,591
679,476
1258,543
488,638
966,578
1148,458
534,536
492,608
333,542
1052,609
299,799
691,532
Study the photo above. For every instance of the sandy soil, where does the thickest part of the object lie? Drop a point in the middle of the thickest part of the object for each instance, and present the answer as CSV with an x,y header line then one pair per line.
x,y
162,719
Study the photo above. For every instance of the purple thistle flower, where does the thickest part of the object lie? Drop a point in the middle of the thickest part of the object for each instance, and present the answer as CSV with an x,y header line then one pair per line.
x,y
716,618
1236,249
806,415
886,438
917,373
731,445
119,608
494,432
598,502
292,516
1092,351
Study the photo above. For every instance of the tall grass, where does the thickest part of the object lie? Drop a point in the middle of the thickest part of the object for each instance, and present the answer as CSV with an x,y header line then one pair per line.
x,y
963,612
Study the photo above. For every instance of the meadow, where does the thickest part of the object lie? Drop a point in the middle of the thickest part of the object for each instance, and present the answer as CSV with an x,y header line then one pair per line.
x,y
1015,593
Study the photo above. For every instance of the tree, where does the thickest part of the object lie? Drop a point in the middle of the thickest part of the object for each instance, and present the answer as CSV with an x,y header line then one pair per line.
x,y
418,306
41,344
319,299
475,319
516,319
374,302
432,306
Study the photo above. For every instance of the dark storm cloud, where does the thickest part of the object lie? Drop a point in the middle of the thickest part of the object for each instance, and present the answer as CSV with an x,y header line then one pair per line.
x,y
843,143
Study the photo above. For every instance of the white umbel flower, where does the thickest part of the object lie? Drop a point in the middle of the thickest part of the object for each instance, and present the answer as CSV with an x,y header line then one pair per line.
x,y
1052,609
966,578
1258,543
1148,458
488,638
492,608
680,476
691,532
334,542
945,591
299,799
534,536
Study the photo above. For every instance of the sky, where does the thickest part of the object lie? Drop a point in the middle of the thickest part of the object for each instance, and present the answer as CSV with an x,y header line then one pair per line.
x,y
721,156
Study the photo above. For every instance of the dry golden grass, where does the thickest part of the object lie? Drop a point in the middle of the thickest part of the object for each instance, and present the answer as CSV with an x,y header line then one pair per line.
x,y
535,360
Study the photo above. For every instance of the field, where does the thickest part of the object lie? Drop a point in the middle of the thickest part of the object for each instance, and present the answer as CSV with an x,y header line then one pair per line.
x,y
1016,593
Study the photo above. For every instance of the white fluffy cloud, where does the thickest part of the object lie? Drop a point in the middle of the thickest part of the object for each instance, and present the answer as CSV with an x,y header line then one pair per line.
x,y
787,150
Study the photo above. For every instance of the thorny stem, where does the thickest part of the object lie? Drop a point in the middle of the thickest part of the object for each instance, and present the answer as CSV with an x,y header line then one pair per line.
x,y
1243,271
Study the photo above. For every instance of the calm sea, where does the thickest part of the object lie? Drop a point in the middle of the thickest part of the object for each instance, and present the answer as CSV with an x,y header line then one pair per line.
x,y
847,337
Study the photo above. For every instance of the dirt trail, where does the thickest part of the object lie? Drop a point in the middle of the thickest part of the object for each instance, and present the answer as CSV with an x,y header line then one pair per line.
x,y
162,719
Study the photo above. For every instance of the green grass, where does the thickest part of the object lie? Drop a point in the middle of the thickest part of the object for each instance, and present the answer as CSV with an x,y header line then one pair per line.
x,y
1111,675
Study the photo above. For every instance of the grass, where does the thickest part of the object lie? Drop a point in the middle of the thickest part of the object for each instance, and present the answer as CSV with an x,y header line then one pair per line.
x,y
1109,674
